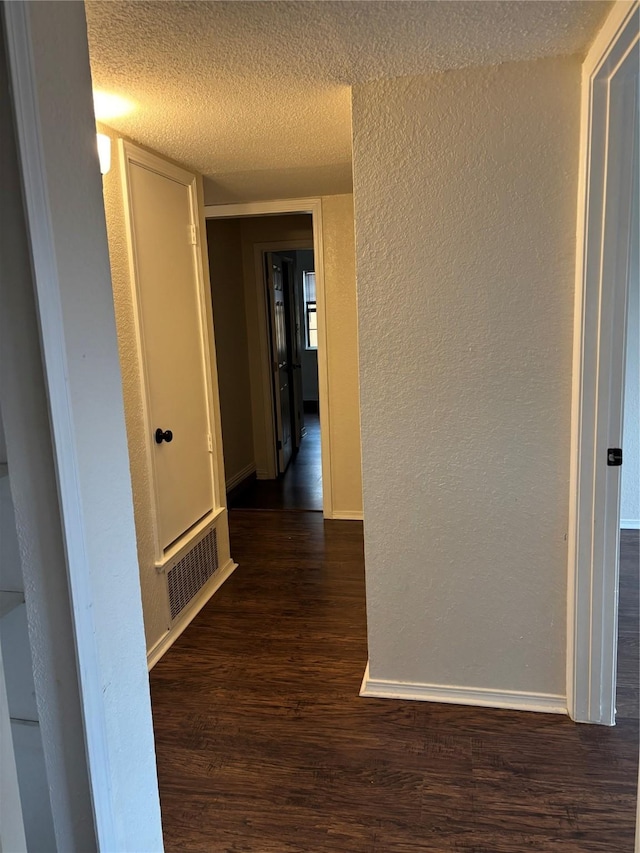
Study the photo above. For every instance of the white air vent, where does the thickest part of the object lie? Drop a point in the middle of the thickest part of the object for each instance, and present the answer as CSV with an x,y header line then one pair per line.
x,y
190,574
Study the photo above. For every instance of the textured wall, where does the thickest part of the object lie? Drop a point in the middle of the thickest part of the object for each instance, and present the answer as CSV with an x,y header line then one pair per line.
x,y
630,496
341,313
465,197
227,294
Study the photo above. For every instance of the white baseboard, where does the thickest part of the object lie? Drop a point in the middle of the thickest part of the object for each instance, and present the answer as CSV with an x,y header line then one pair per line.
x,y
189,613
510,699
347,515
234,481
630,523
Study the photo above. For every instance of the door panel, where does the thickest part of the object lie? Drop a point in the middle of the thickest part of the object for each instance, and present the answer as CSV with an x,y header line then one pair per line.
x,y
280,359
295,348
172,342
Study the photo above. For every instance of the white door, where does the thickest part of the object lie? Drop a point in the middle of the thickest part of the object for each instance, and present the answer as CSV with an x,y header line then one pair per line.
x,y
170,318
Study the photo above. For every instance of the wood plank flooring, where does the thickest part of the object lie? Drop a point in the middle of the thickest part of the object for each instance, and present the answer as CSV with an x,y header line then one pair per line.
x,y
299,488
264,745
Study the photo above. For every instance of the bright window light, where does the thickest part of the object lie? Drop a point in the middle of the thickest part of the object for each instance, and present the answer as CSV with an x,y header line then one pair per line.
x,y
310,311
104,152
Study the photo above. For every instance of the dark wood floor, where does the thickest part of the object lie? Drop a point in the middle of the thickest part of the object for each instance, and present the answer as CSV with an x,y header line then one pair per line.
x,y
301,486
265,747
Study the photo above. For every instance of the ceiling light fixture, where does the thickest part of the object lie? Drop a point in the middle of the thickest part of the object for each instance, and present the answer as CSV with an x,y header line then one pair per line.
x,y
107,105
104,152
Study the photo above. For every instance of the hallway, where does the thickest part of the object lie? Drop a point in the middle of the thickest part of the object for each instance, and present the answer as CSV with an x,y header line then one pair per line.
x,y
300,487
264,745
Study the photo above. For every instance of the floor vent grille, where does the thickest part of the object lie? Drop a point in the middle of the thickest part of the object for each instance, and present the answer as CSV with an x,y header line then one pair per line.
x,y
190,574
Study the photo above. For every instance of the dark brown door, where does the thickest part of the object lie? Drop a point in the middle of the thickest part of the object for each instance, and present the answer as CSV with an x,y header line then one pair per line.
x,y
294,330
282,395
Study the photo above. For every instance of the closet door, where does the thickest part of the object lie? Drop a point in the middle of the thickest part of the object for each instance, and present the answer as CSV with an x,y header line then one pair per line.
x,y
163,233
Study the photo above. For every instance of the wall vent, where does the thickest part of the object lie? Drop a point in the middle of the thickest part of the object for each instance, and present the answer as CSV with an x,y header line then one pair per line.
x,y
190,574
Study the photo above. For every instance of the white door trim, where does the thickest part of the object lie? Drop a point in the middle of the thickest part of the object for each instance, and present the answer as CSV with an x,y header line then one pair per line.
x,y
598,368
314,207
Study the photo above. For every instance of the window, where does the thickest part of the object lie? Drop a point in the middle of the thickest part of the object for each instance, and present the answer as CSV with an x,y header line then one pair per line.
x,y
310,312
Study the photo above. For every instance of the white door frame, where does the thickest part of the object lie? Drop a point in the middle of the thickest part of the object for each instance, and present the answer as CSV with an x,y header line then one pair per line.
x,y
312,206
608,123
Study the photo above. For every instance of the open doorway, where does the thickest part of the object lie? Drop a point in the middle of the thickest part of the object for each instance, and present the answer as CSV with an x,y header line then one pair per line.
x,y
265,306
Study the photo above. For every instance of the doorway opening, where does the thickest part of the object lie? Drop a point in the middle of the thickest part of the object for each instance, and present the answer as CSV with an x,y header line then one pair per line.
x,y
266,314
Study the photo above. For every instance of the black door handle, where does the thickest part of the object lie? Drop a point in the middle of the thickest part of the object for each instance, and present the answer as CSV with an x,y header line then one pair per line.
x,y
161,436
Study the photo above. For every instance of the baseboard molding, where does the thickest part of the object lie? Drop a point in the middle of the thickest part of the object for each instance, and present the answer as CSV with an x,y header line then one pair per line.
x,y
347,515
189,613
234,481
630,524
513,700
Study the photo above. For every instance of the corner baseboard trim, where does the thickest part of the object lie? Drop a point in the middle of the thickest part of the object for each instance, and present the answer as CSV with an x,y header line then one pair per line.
x,y
189,613
513,700
630,524
347,515
234,481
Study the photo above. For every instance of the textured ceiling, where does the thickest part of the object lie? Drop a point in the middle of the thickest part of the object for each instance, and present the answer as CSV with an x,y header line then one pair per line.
x,y
255,95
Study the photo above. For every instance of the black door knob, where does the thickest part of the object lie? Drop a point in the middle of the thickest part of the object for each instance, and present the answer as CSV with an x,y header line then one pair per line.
x,y
165,435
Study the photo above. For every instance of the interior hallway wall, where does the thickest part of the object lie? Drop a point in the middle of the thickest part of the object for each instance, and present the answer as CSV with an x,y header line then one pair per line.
x,y
341,313
465,188
229,318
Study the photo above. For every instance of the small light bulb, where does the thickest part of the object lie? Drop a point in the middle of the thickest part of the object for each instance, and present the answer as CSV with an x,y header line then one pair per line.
x,y
104,152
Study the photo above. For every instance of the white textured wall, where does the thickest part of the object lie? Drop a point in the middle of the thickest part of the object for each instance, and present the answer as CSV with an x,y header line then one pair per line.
x,y
227,294
630,490
465,198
